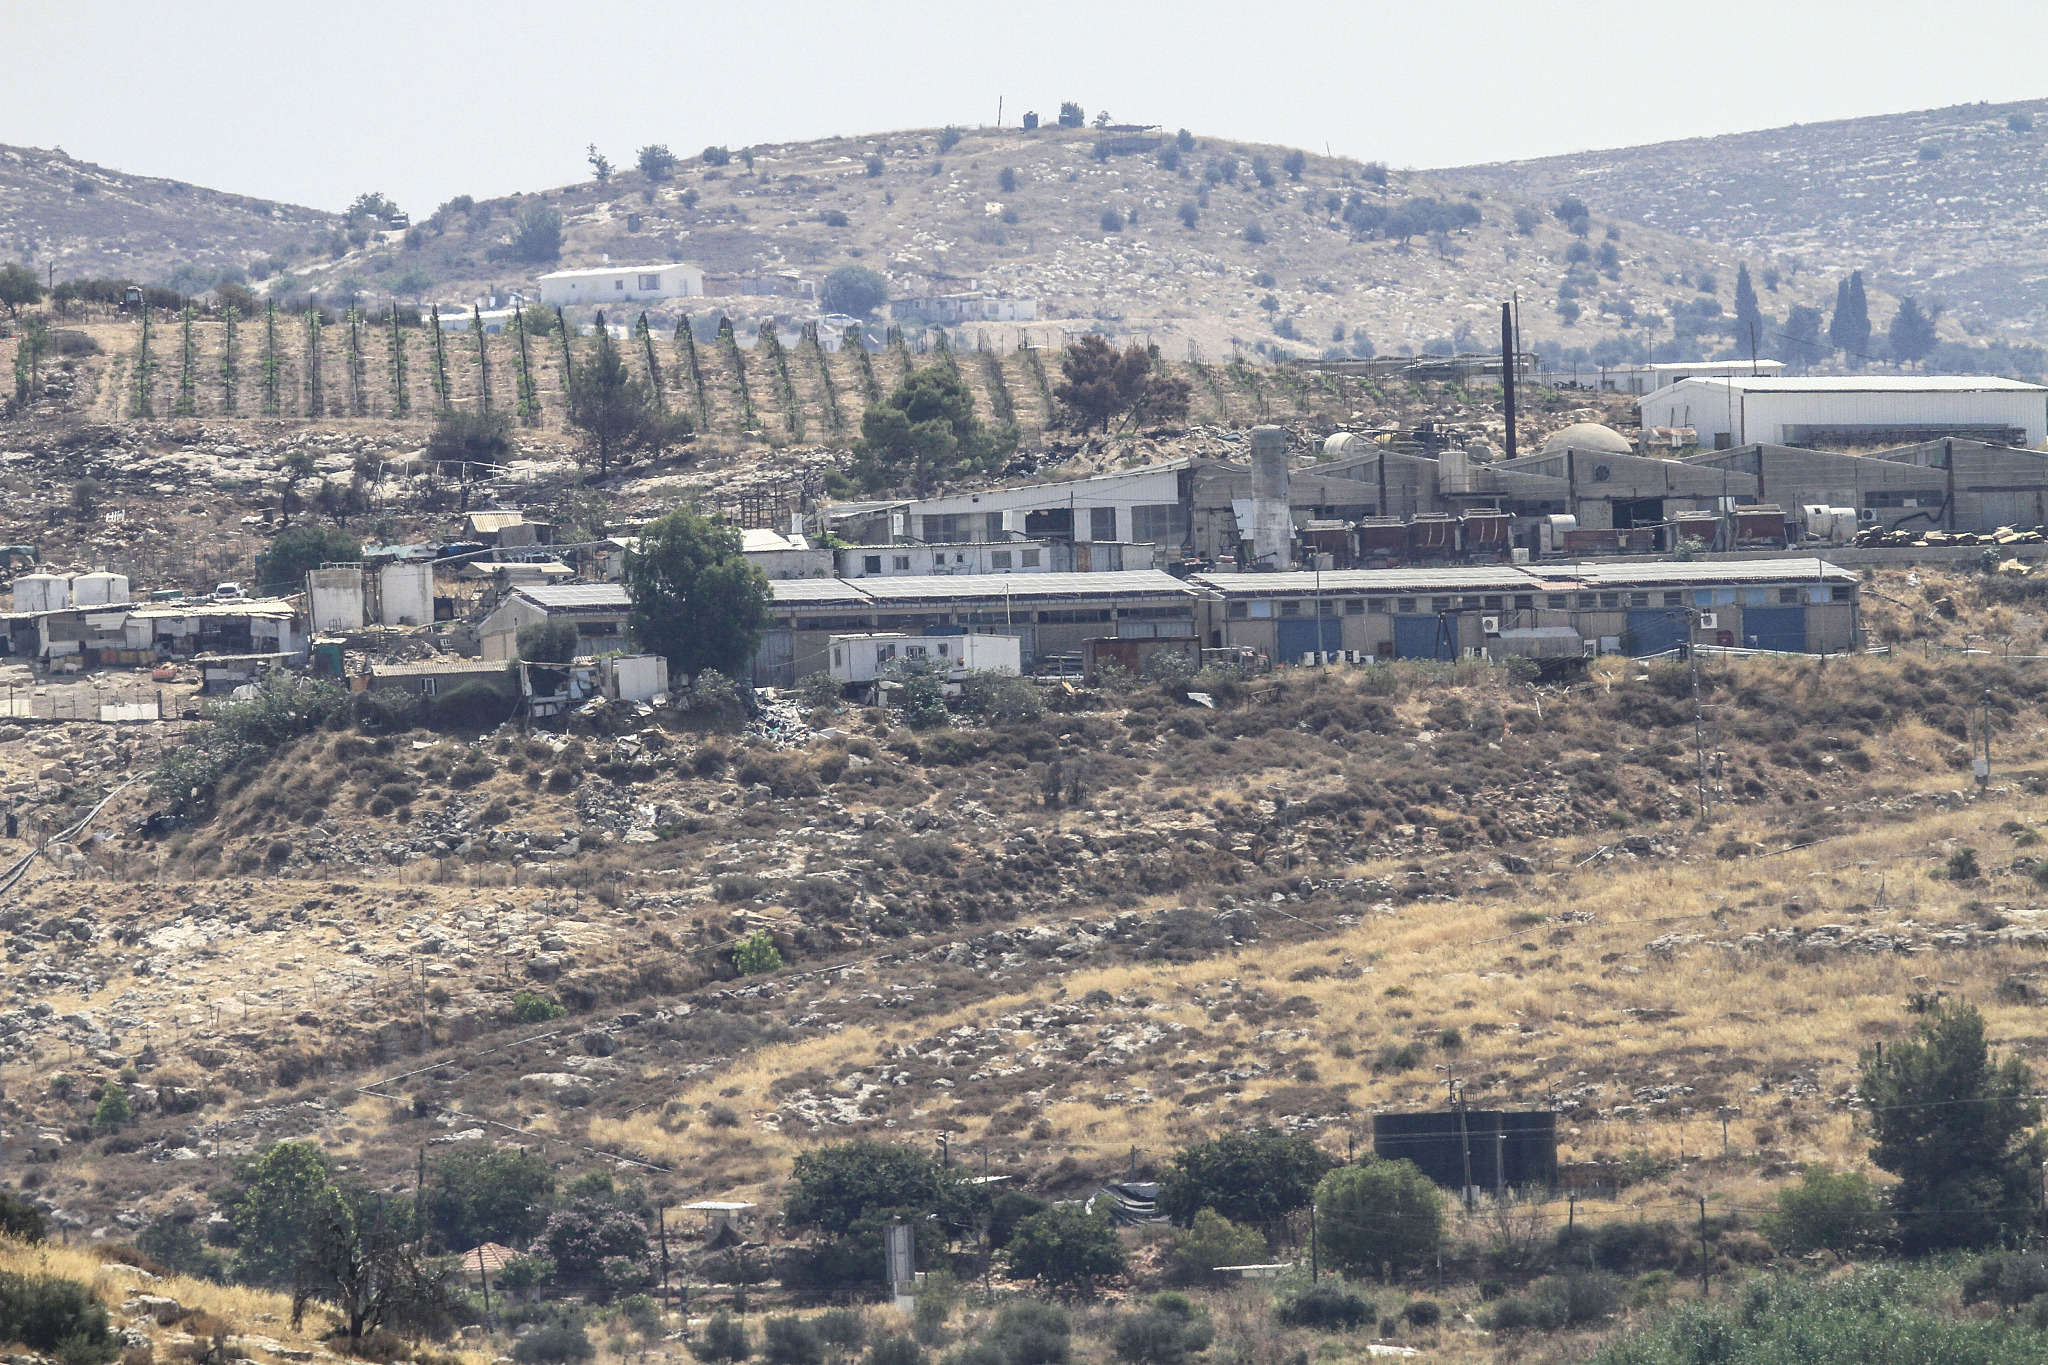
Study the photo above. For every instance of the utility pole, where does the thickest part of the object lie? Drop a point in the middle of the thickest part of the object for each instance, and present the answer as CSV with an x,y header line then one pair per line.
x,y
1699,726
1507,376
661,1217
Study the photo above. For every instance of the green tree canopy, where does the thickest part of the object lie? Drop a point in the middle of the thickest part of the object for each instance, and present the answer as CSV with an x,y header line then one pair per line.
x,y
283,567
853,289
1100,384
657,162
607,403
1379,1213
1912,332
1952,1125
926,432
696,600
1254,1178
1067,1249
480,1194
475,437
1849,328
286,1198
837,1187
19,287
537,238
1824,1212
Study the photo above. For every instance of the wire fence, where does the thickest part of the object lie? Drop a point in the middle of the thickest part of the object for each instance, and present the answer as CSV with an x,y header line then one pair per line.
x,y
109,703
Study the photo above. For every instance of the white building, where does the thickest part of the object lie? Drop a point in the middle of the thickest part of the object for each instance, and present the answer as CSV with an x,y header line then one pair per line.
x,y
621,284
1851,410
863,658
1650,378
969,306
785,556
1147,504
996,556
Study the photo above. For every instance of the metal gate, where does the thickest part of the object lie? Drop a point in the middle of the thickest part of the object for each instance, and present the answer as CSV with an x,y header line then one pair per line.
x,y
774,666
1299,637
1782,628
1652,632
1415,637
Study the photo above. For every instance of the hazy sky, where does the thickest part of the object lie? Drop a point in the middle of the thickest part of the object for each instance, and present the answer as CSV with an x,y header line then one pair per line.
x,y
425,99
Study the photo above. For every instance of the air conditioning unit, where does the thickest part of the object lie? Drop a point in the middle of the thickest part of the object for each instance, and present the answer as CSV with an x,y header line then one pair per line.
x,y
1490,625
1710,620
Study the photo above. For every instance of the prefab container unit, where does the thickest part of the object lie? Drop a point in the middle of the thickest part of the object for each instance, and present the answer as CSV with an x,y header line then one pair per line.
x,y
42,592
864,658
99,589
1755,527
1701,528
1382,536
1850,410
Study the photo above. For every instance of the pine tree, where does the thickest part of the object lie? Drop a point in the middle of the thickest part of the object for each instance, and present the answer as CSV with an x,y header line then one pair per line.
x,y
1912,332
1838,324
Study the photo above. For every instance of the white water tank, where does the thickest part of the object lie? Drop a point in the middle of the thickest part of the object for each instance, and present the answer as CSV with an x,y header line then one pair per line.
x,y
99,589
42,592
405,594
337,598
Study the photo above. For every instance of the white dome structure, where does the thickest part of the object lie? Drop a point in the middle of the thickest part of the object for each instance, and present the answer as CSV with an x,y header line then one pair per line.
x,y
1587,438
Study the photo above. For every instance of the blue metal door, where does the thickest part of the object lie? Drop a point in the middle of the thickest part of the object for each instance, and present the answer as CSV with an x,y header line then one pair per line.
x,y
1299,637
1774,628
1652,631
1415,637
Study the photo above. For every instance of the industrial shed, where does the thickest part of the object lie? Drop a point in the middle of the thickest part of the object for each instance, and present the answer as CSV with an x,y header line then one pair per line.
x,y
1851,410
1951,485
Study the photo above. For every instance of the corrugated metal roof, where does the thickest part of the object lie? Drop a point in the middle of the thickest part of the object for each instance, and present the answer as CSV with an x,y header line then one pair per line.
x,y
570,596
1856,383
1461,578
1742,571
942,587
495,521
433,667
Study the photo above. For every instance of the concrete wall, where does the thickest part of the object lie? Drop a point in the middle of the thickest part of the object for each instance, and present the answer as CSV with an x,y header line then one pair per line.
x,y
336,599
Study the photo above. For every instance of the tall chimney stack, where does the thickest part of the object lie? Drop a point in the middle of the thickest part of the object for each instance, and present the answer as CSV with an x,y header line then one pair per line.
x,y
1272,521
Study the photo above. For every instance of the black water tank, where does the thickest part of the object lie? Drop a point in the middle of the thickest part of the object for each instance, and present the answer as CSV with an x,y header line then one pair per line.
x,y
1508,1147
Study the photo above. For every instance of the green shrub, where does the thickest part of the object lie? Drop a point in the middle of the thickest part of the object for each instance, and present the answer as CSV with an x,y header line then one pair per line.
x,y
755,954
1029,1332
1380,1213
818,689
553,1344
1327,1308
1824,1212
528,1007
1962,865
1066,1248
20,1219
526,1272
842,1327
472,706
724,1339
54,1315
791,1341
2010,1279
641,1313
896,1350
1578,1297
1167,1333
176,1245
112,1114
1212,1241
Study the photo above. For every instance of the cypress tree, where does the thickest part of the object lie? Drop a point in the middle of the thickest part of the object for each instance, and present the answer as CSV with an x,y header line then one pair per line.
x,y
1749,319
316,399
142,368
816,351
568,368
646,335
1850,329
443,396
273,368
358,401
729,343
529,397
869,385
188,366
229,377
483,359
401,399
687,341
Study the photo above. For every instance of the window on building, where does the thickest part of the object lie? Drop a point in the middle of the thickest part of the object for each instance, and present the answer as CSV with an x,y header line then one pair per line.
x,y
1376,605
1163,523
1787,595
430,687
1674,599
1841,592
901,561
1588,601
1557,601
938,561
1354,606
1755,597
838,656
1469,602
1493,603
1102,523
1610,600
1525,602
1238,611
1404,604
1639,599
650,282
999,559
884,653
870,563
1326,606
943,527
597,628
959,557
619,284
992,525
1290,608
1030,558
1261,610
1439,604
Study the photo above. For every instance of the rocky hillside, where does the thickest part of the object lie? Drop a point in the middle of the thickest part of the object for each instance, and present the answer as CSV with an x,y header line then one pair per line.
x,y
87,221
1947,204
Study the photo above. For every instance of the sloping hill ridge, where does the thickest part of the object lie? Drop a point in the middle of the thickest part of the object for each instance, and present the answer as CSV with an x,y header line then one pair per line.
x,y
89,221
1950,204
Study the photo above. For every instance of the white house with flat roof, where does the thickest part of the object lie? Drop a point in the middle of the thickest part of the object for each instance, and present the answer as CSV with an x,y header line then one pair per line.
x,y
621,284
1851,410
